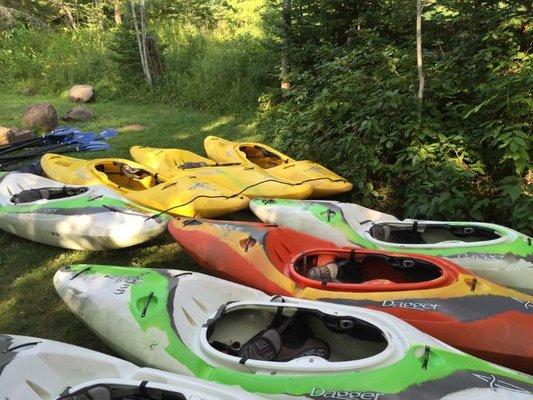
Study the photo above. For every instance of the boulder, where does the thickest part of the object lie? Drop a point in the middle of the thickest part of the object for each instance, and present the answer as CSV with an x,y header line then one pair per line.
x,y
3,135
78,113
40,116
81,93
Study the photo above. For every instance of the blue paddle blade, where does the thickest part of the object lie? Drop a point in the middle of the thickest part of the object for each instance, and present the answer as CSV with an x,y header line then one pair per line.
x,y
63,139
108,133
62,130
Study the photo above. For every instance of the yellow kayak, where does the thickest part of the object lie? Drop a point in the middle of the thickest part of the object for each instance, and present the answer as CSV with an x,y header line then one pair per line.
x,y
185,195
324,181
247,179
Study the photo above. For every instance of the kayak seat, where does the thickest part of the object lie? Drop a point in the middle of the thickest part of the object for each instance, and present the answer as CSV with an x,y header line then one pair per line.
x,y
286,339
270,333
46,193
385,233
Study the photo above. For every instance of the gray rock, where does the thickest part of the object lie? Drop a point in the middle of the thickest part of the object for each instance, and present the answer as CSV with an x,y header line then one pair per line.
x,y
40,116
81,93
78,113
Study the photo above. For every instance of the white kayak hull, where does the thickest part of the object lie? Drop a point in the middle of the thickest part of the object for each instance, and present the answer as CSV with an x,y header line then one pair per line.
x,y
108,222
40,369
161,318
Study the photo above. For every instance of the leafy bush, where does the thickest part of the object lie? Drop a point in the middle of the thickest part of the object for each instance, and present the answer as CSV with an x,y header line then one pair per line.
x,y
51,61
354,109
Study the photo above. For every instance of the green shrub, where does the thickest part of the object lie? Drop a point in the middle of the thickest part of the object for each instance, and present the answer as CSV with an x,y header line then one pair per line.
x,y
50,61
355,110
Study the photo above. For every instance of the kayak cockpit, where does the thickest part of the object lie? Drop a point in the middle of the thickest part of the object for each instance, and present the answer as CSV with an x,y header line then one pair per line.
x,y
126,176
47,193
289,337
263,157
418,233
352,270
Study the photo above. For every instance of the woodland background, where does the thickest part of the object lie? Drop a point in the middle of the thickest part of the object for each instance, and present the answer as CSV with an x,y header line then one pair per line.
x,y
350,93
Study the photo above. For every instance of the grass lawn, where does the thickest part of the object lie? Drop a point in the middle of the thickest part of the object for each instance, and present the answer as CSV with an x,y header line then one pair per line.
x,y
28,302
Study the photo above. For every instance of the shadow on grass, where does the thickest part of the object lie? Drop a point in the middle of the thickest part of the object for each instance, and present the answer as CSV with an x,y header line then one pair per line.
x,y
29,304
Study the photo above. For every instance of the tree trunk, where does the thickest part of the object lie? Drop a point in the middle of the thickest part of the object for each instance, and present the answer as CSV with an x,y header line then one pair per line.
x,y
65,8
421,80
154,58
287,33
118,13
140,33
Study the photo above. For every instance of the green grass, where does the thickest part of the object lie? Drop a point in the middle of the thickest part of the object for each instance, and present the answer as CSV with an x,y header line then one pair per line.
x,y
28,302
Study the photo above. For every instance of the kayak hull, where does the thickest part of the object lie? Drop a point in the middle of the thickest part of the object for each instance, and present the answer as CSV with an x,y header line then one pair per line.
x,y
323,181
265,257
248,180
184,195
507,261
40,369
97,219
170,332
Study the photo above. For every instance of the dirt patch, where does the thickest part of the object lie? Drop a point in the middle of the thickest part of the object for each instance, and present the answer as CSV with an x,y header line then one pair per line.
x,y
131,128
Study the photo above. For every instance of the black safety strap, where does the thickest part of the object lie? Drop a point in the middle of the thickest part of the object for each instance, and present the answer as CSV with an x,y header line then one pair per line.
x,y
142,388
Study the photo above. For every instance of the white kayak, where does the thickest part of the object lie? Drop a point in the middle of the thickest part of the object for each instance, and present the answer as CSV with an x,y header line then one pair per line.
x,y
73,217
492,251
278,347
39,369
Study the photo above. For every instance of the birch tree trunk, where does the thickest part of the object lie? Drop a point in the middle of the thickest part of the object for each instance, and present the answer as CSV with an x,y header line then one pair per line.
x,y
140,33
117,13
421,80
285,58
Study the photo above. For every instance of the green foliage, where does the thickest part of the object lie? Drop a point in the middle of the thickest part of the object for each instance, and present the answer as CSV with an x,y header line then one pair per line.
x,y
124,50
353,107
51,61
195,12
208,73
222,66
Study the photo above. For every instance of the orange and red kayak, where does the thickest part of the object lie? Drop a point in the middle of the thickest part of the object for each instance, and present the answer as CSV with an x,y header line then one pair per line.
x,y
433,294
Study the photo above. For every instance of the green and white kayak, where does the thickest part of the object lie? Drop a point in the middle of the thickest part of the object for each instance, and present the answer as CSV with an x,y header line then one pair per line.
x,y
73,217
280,348
39,369
492,251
